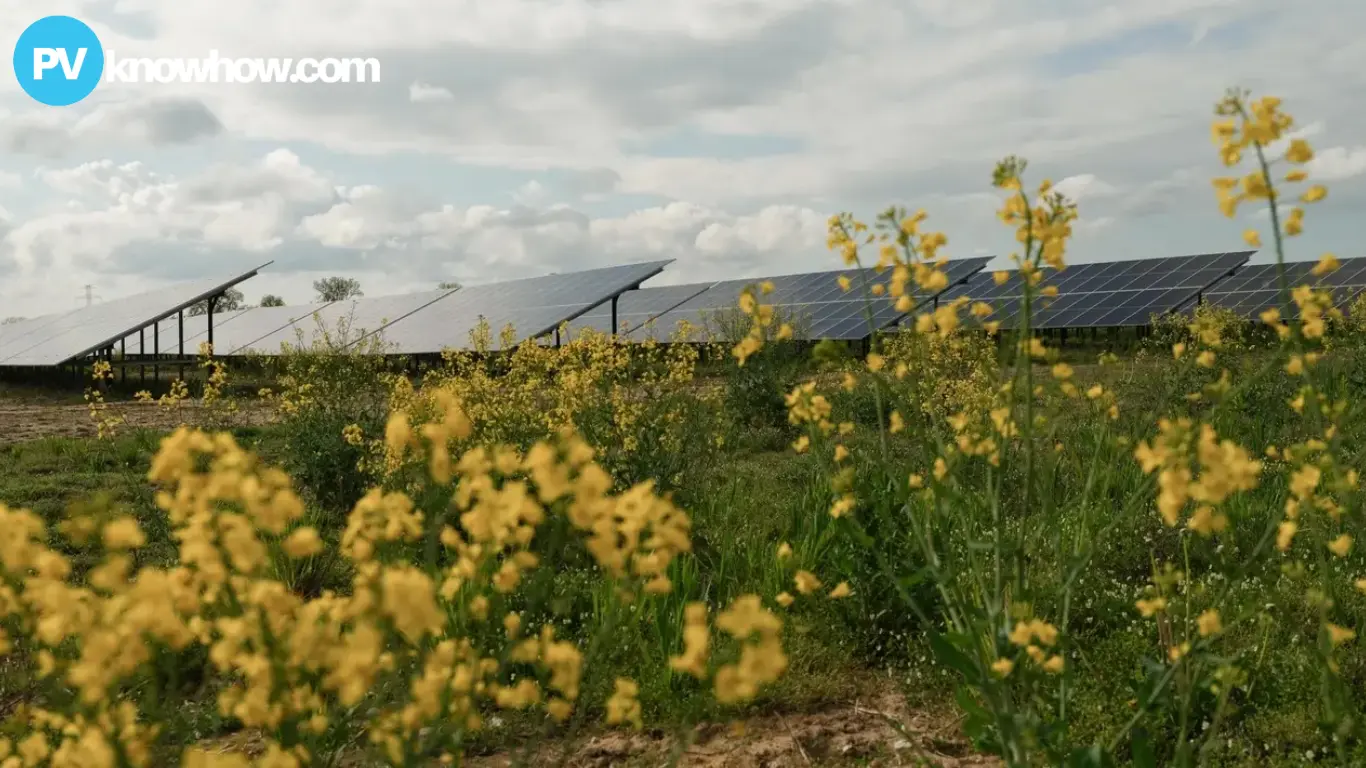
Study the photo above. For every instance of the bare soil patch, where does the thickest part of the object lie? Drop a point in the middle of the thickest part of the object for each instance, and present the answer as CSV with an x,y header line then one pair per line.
x,y
878,731
21,421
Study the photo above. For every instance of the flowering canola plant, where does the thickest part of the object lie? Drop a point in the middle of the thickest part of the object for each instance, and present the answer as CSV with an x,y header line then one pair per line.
x,y
299,668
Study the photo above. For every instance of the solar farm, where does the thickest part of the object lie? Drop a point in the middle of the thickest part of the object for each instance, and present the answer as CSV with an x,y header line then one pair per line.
x,y
153,328
802,480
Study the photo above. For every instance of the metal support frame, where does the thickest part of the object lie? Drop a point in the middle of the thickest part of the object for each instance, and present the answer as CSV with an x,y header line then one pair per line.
x,y
615,330
212,301
180,321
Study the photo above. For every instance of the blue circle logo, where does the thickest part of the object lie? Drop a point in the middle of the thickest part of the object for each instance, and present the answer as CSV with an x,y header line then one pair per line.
x,y
58,60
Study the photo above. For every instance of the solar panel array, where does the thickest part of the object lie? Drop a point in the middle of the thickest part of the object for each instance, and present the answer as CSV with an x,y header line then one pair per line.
x,y
635,308
334,325
1095,295
813,303
60,338
1113,294
532,306
1256,288
166,338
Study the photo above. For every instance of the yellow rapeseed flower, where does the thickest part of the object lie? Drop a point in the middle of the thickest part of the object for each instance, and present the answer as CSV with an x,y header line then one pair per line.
x,y
1209,623
1151,606
806,582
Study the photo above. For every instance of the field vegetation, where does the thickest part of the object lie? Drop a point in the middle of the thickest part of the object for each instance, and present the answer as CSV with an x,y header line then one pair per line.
x,y
1085,556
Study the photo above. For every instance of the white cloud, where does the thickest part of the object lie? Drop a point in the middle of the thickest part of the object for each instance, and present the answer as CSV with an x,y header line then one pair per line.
x,y
10,180
1338,163
717,131
422,93
145,122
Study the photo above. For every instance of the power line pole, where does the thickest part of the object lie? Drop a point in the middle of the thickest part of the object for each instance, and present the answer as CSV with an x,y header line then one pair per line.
x,y
89,295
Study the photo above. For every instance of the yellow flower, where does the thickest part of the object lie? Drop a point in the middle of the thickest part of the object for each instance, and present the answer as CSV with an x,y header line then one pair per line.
x,y
841,453
1054,665
1178,349
1252,238
876,361
1002,667
841,590
1209,623
1150,607
806,582
843,505
303,542
1327,263
784,551
1299,152
1314,194
1285,533
844,283
123,533
1000,278
1339,635
623,706
896,423
1341,545
784,599
1062,371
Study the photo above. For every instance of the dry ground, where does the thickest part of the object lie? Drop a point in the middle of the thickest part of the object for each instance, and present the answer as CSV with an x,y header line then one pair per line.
x,y
852,733
24,418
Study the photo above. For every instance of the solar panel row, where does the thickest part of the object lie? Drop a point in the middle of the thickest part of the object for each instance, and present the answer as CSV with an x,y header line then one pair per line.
x,y
1256,288
813,303
1111,294
1108,294
635,308
60,338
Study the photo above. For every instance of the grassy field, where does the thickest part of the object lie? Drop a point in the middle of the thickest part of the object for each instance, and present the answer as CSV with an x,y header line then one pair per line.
x,y
719,443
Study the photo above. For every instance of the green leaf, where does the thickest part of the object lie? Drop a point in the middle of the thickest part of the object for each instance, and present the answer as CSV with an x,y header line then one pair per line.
x,y
1142,746
1089,757
953,658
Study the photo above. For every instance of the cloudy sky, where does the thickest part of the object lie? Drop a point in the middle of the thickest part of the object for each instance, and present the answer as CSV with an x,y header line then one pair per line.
x,y
519,137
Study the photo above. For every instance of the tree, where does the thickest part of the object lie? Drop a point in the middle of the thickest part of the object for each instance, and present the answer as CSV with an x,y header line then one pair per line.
x,y
337,288
271,300
449,285
230,300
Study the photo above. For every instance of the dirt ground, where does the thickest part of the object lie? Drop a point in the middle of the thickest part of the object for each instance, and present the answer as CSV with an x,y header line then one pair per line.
x,y
856,733
27,418
842,735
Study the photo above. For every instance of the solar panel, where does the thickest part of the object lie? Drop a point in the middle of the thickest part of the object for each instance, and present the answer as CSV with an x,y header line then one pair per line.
x,y
339,323
13,335
635,308
80,332
532,306
1110,294
813,303
1256,287
167,338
